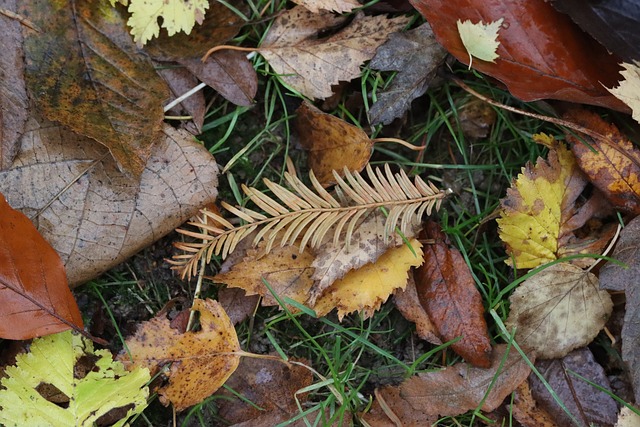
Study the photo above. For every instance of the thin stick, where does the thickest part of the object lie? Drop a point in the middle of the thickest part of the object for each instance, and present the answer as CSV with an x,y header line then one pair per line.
x,y
401,142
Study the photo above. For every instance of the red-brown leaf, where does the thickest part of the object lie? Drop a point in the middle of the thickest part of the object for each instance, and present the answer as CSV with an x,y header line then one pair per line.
x,y
447,292
543,54
35,298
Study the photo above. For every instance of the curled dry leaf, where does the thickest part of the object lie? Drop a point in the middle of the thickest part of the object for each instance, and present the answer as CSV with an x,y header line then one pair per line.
x,y
447,291
311,65
408,304
557,310
332,143
200,362
614,166
34,294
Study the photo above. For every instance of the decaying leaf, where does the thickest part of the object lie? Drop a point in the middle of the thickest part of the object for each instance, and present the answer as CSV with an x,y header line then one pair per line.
x,y
200,362
35,296
82,385
84,71
237,303
628,90
480,40
310,65
614,166
557,310
475,118
543,210
586,403
366,288
93,215
408,304
269,385
333,144
389,409
526,410
339,6
447,291
416,56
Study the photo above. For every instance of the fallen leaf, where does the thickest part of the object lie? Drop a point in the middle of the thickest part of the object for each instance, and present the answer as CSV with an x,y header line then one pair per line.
x,y
628,418
456,389
557,310
614,166
270,385
237,304
619,278
311,65
365,289
526,410
408,304
13,93
416,56
475,118
389,409
34,294
543,54
180,81
588,405
628,90
542,213
200,362
332,143
50,386
480,40
84,71
93,215
339,6
448,293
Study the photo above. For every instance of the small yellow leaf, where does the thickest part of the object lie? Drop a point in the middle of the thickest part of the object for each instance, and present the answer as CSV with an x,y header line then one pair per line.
x,y
628,90
479,39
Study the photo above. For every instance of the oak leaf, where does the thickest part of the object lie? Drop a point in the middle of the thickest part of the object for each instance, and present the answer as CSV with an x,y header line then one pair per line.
x,y
408,304
557,310
310,65
628,90
480,40
34,294
200,362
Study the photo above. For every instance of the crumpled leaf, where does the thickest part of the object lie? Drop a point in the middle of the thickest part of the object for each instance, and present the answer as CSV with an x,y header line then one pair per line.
x,y
542,211
409,306
448,293
557,310
35,298
269,384
200,361
93,215
588,405
84,71
310,65
618,278
614,167
332,143
480,40
88,385
416,56
339,6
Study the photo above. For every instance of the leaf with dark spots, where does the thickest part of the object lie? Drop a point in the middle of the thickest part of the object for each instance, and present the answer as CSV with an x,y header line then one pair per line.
x,y
447,292
84,71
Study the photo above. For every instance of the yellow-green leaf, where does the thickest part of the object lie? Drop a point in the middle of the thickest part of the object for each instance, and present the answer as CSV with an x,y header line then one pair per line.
x,y
65,368
480,40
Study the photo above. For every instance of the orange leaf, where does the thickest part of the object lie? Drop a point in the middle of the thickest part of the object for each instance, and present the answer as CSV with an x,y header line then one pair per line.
x,y
447,291
35,298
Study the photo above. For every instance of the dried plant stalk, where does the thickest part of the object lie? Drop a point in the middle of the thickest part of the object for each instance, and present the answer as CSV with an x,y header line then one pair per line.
x,y
310,214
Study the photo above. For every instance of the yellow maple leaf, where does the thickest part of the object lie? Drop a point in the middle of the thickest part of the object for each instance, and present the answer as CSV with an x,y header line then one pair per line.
x,y
177,15
628,90
366,288
480,40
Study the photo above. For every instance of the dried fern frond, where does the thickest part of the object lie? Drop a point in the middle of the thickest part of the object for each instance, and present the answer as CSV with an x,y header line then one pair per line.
x,y
310,214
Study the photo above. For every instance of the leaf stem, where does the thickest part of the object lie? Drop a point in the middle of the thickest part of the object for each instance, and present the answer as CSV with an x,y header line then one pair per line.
x,y
227,47
401,142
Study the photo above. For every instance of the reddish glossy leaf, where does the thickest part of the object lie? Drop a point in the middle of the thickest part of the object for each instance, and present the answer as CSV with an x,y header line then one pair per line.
x,y
447,291
612,163
542,53
84,71
35,298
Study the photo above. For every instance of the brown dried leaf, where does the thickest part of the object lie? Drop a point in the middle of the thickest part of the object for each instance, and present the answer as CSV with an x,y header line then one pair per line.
x,y
200,361
311,65
84,71
557,310
93,215
181,81
447,291
587,404
408,304
389,409
615,166
333,144
338,6
237,304
461,387
269,384
526,411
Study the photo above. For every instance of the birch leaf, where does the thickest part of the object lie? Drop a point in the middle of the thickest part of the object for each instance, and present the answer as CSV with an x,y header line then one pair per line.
x,y
480,40
628,90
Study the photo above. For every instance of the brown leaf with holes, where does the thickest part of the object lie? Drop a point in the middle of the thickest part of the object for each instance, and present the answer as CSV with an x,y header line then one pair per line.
x,y
35,298
408,304
271,385
200,362
614,166
447,291
332,143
